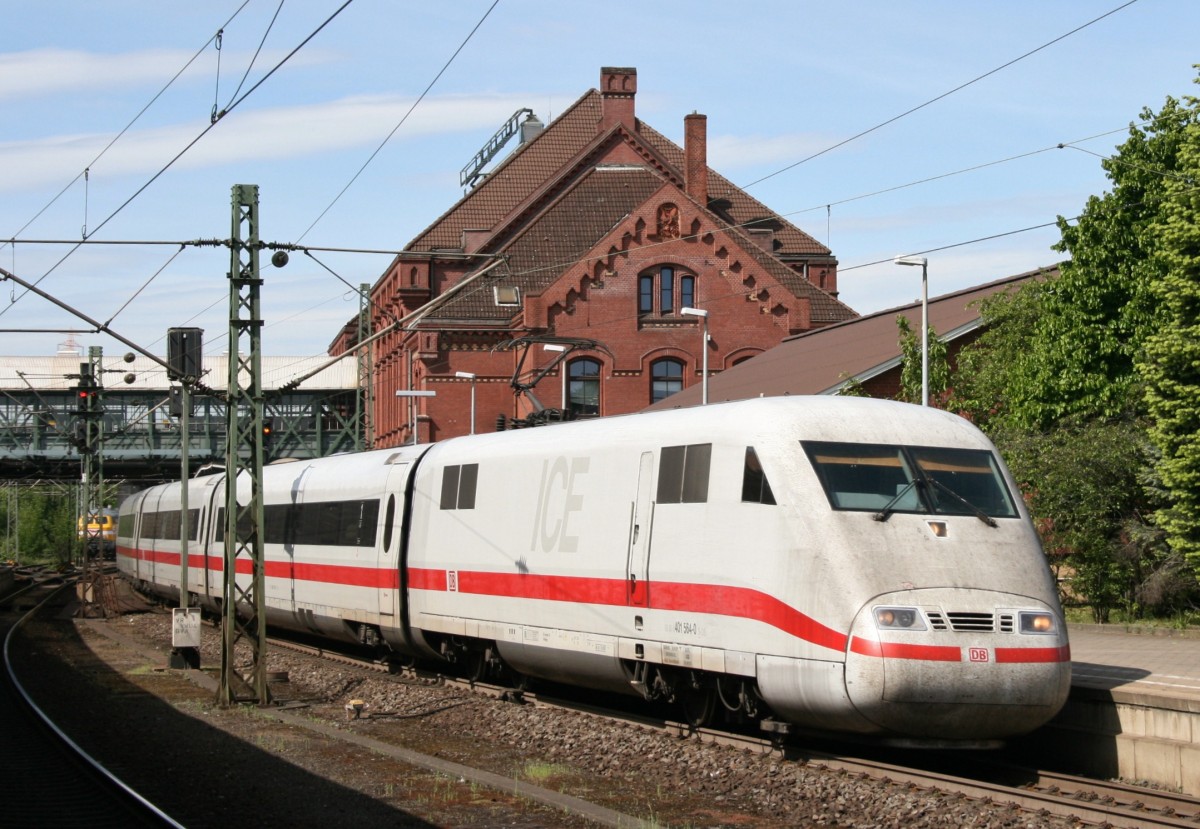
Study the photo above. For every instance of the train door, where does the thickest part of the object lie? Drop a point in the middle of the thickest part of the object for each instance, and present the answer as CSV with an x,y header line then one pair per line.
x,y
389,545
208,546
136,507
641,525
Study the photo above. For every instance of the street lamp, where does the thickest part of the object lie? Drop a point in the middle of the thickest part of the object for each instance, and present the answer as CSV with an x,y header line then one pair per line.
x,y
412,412
924,263
466,375
699,312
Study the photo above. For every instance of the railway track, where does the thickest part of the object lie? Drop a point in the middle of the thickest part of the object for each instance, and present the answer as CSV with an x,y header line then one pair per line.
x,y
49,780
982,778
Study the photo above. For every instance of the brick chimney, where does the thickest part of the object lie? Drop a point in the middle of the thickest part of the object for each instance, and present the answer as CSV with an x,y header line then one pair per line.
x,y
618,85
695,154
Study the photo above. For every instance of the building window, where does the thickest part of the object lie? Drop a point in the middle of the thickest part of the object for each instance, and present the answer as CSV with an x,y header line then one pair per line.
x,y
666,379
645,294
663,291
584,388
666,290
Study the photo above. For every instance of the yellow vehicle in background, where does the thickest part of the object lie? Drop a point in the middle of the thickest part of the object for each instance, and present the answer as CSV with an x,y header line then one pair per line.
x,y
100,531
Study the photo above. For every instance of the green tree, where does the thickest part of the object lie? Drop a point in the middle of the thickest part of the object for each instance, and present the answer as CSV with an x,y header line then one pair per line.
x,y
994,377
1114,339
42,525
1080,482
1170,362
1098,314
910,365
1071,343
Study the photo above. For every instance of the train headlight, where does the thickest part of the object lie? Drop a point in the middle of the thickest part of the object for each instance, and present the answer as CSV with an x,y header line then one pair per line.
x,y
1037,622
904,618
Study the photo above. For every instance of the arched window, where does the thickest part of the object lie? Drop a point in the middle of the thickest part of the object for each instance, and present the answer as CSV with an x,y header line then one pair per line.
x,y
666,290
687,292
663,290
666,378
646,294
584,388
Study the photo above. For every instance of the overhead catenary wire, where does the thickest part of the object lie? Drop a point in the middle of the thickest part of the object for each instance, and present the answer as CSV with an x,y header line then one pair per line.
x,y
307,249
400,123
233,104
790,214
937,98
125,129
250,65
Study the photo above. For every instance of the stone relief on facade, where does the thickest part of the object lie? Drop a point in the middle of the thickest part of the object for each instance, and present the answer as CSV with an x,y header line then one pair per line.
x,y
668,221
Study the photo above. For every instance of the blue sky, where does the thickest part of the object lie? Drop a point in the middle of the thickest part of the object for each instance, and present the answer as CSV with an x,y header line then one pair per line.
x,y
780,81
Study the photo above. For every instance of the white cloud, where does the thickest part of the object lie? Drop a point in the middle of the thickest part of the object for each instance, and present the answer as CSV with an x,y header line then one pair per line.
x,y
247,134
731,152
40,72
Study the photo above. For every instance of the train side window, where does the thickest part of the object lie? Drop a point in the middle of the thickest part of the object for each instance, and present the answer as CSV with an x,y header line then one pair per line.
x,y
450,487
756,489
458,486
168,525
683,474
277,524
243,528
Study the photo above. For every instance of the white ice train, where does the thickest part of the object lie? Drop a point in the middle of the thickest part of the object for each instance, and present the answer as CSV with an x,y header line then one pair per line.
x,y
836,564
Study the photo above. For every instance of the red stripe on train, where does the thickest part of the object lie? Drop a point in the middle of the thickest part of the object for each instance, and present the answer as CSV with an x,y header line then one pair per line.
x,y
739,602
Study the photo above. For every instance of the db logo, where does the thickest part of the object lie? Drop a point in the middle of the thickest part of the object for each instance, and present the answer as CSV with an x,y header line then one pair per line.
x,y
978,654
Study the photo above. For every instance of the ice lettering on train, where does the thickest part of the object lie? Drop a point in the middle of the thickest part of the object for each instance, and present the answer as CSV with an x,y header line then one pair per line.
x,y
557,499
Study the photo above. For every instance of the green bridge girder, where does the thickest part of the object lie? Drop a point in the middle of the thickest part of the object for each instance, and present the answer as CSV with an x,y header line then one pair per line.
x,y
141,440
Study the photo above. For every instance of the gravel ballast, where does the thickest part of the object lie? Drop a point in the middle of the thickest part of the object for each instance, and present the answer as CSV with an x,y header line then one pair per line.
x,y
290,764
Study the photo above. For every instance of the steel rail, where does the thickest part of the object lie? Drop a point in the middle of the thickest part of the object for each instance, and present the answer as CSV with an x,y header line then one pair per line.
x,y
1105,803
139,807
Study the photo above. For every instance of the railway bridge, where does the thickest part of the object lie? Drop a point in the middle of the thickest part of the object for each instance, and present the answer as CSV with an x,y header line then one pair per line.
x,y
43,416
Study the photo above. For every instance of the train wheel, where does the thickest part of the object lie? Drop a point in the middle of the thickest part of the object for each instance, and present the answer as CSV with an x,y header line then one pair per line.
x,y
699,703
475,664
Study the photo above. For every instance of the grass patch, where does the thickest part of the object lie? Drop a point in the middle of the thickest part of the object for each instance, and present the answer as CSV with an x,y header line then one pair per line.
x,y
538,772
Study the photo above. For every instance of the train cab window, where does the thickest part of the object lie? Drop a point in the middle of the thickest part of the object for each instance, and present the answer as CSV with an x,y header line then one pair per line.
x,y
683,474
756,489
887,479
458,486
964,481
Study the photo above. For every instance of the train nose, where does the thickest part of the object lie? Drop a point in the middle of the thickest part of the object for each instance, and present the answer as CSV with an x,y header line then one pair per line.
x,y
957,664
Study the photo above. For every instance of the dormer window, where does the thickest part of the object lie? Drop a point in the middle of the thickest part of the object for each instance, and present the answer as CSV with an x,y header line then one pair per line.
x,y
663,291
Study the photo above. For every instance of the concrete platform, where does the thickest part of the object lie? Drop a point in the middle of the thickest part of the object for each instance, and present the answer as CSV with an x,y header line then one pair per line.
x,y
1134,709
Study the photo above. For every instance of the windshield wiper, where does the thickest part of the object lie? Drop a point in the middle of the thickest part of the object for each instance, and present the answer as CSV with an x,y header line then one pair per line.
x,y
890,507
976,511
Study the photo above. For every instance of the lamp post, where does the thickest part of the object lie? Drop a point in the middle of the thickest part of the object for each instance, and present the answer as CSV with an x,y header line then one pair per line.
x,y
466,375
412,412
699,312
924,263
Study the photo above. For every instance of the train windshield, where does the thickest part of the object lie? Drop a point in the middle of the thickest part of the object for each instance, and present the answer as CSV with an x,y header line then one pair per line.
x,y
885,479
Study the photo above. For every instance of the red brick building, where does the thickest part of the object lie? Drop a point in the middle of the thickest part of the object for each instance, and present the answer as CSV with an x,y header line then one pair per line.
x,y
600,230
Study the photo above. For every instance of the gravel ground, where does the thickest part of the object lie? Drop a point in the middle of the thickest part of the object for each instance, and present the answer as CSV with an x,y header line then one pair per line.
x,y
211,765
